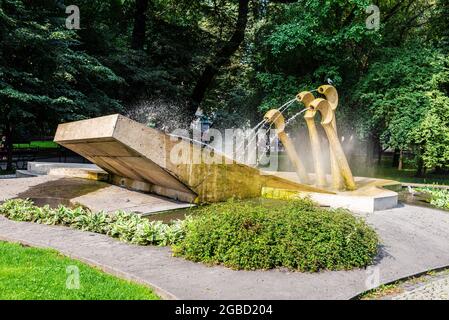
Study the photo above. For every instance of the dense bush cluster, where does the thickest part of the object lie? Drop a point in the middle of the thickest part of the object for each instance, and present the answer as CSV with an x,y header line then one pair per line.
x,y
297,235
127,227
438,197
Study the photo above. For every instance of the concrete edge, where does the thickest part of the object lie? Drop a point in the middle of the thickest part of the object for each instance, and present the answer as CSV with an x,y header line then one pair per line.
x,y
162,293
402,279
26,174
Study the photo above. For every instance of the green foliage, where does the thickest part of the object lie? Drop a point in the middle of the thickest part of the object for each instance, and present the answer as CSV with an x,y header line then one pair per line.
x,y
307,42
404,101
45,78
432,134
392,82
128,227
297,235
438,197
40,274
36,145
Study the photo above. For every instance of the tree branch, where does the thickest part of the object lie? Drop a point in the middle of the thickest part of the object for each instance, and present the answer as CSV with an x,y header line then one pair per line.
x,y
221,58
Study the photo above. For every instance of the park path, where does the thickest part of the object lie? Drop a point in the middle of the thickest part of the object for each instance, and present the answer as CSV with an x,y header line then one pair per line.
x,y
414,240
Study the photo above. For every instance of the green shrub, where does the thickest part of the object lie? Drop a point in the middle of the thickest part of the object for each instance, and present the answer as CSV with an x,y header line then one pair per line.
x,y
297,235
128,227
438,197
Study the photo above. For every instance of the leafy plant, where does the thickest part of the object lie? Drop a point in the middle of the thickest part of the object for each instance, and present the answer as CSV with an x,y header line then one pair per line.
x,y
128,227
438,197
297,235
241,235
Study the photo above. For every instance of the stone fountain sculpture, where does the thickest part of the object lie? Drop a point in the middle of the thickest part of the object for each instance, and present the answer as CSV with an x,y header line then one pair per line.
x,y
140,158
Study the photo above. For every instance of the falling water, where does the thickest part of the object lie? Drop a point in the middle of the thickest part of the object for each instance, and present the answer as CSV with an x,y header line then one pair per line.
x,y
193,141
255,129
260,124
266,149
281,110
295,116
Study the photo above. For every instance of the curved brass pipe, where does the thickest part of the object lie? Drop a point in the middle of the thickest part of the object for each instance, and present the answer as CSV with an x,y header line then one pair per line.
x,y
275,117
327,117
331,95
306,98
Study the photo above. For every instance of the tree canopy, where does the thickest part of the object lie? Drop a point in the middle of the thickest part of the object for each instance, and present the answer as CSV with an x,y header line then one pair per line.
x,y
233,59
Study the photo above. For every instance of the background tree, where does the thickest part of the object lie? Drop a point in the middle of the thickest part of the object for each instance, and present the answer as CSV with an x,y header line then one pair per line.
x,y
45,79
159,60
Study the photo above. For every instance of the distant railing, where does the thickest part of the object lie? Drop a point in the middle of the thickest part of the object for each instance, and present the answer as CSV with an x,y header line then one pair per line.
x,y
37,149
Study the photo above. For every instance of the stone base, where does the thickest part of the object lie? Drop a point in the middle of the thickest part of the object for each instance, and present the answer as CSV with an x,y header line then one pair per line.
x,y
371,194
93,172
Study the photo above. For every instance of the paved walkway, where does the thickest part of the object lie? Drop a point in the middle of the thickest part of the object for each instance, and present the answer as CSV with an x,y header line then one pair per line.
x,y
414,240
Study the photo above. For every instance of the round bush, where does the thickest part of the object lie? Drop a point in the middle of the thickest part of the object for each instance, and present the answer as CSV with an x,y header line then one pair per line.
x,y
296,234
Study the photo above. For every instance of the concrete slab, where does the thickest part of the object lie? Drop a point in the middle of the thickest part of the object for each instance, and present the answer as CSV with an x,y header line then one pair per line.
x,y
127,149
96,195
113,198
371,194
40,168
91,174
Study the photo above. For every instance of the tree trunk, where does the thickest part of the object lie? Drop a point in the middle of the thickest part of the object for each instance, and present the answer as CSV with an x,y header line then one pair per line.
x,y
138,36
220,59
401,159
419,167
378,147
369,151
9,148
395,162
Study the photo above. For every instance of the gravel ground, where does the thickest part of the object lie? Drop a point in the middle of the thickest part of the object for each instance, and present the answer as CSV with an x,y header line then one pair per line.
x,y
431,288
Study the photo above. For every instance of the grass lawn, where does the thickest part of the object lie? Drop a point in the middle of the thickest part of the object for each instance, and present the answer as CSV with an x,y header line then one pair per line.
x,y
40,274
409,175
384,170
36,144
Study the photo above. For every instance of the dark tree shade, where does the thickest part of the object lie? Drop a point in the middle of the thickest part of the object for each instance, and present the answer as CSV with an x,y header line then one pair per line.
x,y
138,36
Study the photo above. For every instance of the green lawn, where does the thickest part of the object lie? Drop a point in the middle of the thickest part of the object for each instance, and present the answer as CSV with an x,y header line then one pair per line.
x,y
386,171
36,145
40,274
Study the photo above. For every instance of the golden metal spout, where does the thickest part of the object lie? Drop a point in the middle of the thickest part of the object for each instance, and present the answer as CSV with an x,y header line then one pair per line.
x,y
327,120
306,98
275,117
331,95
